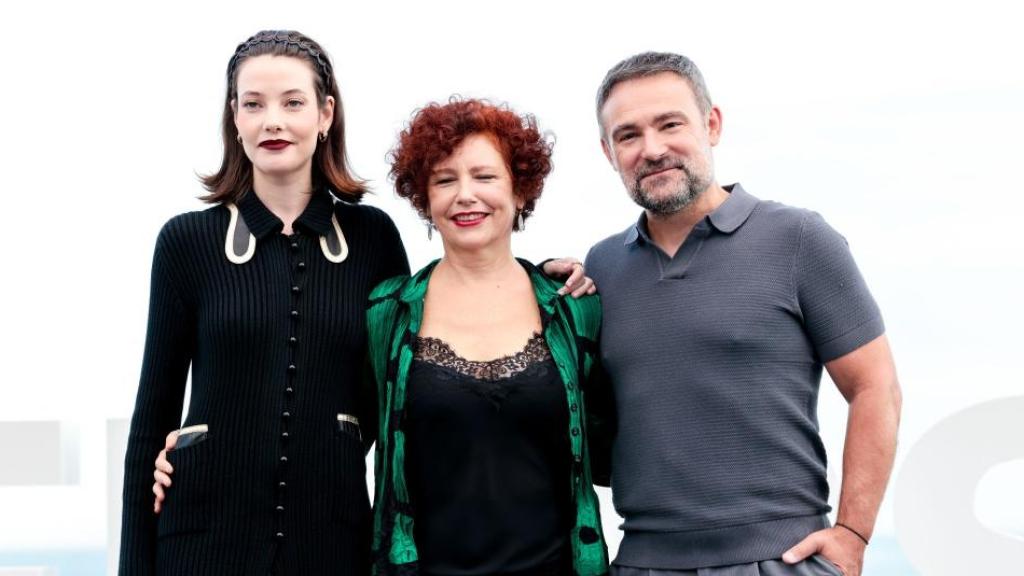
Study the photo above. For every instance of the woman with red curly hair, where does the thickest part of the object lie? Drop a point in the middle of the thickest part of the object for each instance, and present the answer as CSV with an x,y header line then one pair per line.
x,y
482,460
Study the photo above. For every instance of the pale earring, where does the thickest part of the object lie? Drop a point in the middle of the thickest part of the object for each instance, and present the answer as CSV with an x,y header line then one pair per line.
x,y
520,221
239,138
430,230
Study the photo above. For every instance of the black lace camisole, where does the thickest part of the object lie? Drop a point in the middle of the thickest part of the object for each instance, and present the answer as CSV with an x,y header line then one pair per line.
x,y
488,462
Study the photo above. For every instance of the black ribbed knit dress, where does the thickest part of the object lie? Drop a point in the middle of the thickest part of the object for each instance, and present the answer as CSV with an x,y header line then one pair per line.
x,y
276,349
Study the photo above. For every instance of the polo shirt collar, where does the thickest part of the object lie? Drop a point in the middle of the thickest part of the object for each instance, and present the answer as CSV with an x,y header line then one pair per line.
x,y
732,213
638,231
729,216
316,218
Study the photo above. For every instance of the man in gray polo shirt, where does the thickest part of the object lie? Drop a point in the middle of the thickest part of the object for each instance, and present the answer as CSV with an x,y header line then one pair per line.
x,y
720,311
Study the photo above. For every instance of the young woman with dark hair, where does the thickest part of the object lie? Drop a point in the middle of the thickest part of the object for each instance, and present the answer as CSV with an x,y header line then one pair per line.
x,y
263,296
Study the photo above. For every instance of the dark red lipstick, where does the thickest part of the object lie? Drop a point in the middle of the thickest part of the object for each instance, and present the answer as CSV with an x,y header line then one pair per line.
x,y
275,144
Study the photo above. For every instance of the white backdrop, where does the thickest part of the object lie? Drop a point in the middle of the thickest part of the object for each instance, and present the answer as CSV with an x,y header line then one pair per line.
x,y
900,123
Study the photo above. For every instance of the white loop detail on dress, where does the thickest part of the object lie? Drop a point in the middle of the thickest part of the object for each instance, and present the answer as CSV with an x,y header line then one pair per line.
x,y
229,241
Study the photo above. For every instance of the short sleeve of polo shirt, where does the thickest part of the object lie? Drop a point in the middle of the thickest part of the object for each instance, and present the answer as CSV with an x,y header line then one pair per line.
x,y
838,311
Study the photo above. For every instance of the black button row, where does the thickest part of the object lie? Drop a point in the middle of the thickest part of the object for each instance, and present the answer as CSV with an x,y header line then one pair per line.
x,y
289,389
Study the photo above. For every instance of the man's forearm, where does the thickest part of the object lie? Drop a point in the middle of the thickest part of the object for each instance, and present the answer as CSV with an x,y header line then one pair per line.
x,y
868,455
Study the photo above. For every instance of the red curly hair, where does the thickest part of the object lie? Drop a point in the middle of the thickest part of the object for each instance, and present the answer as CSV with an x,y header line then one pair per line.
x,y
436,130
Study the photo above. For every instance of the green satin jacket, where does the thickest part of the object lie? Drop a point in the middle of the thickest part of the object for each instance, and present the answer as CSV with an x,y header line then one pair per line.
x,y
393,320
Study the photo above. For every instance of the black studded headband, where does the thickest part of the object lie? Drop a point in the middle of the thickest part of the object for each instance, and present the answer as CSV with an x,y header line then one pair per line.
x,y
320,60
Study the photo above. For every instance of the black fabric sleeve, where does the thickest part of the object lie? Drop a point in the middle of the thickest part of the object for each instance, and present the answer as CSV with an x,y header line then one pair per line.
x,y
170,341
368,411
393,262
599,397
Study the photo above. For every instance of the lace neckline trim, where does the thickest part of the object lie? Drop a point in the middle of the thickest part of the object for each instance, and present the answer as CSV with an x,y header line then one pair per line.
x,y
440,353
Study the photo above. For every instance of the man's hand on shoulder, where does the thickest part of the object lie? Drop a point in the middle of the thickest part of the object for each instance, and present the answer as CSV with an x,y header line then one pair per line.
x,y
571,270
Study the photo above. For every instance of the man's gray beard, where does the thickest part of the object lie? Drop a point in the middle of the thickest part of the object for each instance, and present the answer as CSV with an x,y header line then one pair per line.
x,y
689,191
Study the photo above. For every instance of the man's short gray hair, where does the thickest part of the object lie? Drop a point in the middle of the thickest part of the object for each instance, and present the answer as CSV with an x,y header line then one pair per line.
x,y
649,64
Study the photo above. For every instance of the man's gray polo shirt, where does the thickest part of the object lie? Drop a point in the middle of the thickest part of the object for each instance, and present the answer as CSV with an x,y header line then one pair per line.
x,y
715,356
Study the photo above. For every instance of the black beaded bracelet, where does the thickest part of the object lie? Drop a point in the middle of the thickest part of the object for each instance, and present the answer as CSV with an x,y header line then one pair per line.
x,y
855,533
